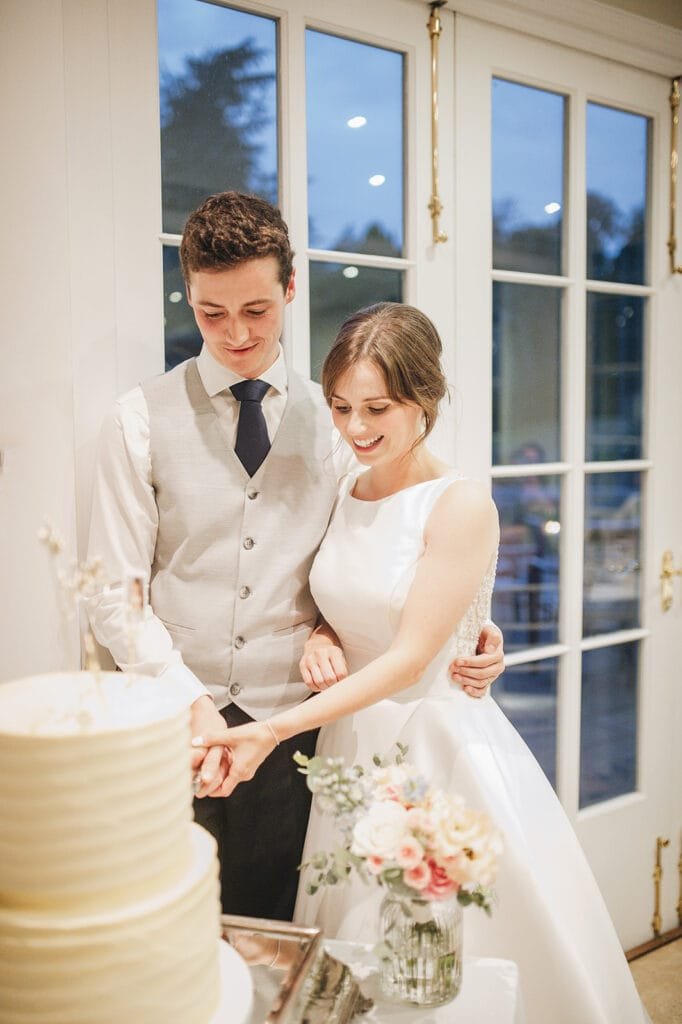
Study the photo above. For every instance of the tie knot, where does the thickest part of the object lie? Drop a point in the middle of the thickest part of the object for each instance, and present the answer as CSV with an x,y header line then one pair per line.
x,y
250,390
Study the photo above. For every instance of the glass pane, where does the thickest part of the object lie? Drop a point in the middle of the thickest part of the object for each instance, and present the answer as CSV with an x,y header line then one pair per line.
x,y
608,723
612,571
526,596
526,373
182,338
615,332
528,177
355,145
218,86
336,291
617,172
528,696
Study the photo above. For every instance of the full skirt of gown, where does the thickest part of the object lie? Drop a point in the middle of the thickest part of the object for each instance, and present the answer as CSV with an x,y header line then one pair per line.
x,y
549,915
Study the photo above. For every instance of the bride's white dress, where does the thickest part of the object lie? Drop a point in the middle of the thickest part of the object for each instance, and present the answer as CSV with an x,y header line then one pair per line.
x,y
550,917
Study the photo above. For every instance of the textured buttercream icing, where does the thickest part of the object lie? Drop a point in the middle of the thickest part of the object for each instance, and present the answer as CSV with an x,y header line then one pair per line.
x,y
108,893
95,793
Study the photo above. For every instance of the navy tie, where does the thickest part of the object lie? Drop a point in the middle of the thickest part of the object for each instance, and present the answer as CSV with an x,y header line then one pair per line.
x,y
253,443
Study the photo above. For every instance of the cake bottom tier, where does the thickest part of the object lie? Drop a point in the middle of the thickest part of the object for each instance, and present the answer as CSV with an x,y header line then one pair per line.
x,y
152,962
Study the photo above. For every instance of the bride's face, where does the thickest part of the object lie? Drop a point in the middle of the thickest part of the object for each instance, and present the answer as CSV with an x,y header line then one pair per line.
x,y
378,429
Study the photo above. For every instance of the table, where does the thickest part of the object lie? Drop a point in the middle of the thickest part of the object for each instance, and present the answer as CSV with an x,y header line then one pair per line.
x,y
298,974
490,993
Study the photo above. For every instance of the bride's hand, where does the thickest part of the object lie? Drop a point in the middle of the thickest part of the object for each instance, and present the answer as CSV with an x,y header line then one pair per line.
x,y
323,662
247,746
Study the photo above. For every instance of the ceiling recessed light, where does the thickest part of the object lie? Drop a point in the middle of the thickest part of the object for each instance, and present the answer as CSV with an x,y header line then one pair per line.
x,y
552,207
175,297
377,179
357,122
350,271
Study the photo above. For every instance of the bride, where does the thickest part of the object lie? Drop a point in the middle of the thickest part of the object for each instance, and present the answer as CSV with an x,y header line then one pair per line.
x,y
410,550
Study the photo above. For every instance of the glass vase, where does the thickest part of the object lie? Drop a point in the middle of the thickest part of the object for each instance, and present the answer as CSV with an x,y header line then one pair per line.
x,y
422,960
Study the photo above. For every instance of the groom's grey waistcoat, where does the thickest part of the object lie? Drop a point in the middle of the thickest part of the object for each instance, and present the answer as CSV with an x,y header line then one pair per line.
x,y
229,577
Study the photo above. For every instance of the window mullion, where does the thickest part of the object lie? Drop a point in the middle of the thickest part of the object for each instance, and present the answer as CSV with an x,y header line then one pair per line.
x,y
573,446
294,174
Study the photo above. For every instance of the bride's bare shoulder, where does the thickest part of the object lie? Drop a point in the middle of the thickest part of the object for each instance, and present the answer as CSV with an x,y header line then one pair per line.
x,y
466,503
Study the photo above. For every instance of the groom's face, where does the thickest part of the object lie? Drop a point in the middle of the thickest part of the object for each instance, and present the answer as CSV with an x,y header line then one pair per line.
x,y
240,312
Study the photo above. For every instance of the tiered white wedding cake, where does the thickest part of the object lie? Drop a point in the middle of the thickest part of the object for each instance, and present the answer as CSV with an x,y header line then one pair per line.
x,y
108,892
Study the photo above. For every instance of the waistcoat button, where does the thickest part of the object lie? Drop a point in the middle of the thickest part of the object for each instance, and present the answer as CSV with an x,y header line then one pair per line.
x,y
235,689
252,494
249,543
239,641
244,592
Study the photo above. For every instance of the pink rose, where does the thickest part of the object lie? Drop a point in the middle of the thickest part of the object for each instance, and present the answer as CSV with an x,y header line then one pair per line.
x,y
439,885
409,853
417,877
391,793
374,865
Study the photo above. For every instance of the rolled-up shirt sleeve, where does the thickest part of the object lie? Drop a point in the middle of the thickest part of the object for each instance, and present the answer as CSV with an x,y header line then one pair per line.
x,y
123,529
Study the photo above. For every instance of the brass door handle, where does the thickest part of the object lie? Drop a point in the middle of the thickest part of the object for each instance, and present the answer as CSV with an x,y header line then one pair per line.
x,y
667,572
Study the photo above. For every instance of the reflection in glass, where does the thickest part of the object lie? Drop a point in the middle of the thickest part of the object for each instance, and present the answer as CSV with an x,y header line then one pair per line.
x,y
218,91
526,596
335,294
611,580
608,714
526,373
615,330
354,105
182,338
617,173
528,177
528,696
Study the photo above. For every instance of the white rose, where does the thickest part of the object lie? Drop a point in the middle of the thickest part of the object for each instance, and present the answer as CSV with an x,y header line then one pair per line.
x,y
379,832
462,829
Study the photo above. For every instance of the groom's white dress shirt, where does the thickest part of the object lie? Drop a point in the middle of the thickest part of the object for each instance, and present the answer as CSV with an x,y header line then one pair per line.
x,y
123,494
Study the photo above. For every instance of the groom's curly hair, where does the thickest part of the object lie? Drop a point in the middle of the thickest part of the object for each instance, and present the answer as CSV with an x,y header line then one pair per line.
x,y
229,229
403,344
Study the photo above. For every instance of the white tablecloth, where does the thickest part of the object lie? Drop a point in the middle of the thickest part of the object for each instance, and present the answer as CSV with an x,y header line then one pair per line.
x,y
490,992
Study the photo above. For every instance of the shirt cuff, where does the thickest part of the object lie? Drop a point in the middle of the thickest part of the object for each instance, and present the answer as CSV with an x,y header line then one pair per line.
x,y
184,679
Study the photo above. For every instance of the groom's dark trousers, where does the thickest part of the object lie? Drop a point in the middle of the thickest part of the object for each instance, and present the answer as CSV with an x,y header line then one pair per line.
x,y
260,830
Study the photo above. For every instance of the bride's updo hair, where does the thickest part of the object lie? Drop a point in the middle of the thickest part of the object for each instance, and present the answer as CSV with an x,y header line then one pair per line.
x,y
403,344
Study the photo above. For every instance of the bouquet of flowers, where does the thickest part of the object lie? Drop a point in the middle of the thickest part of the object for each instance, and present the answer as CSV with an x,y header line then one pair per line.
x,y
398,830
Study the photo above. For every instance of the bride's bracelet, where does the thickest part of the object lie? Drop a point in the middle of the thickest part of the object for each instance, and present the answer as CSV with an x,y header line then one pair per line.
x,y
274,734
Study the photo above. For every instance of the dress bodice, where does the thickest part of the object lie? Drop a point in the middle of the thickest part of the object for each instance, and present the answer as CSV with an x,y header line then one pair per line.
x,y
364,569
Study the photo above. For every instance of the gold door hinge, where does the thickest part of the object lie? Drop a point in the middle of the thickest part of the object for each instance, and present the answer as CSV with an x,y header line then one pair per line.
x,y
668,570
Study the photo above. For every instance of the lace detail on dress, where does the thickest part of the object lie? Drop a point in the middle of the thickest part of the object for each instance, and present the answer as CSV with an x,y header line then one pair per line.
x,y
465,640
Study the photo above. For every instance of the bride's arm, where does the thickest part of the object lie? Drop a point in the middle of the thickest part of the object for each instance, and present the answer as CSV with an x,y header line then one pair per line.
x,y
462,530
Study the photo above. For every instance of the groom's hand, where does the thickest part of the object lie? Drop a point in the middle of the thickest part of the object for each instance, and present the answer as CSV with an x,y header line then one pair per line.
x,y
322,666
211,765
323,662
476,673
247,747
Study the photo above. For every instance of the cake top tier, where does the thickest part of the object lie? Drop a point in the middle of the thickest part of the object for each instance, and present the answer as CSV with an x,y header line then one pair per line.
x,y
95,790
68,704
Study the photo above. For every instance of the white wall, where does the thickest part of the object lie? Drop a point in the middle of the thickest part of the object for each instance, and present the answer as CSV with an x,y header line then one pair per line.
x,y
80,272
667,12
36,390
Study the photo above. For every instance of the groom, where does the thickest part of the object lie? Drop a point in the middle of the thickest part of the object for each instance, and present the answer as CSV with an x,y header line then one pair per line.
x,y
217,479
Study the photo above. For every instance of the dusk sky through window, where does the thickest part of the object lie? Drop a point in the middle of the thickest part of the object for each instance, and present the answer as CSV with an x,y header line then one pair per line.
x,y
347,80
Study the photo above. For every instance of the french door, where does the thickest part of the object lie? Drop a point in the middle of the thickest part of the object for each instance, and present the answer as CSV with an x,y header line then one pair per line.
x,y
566,311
